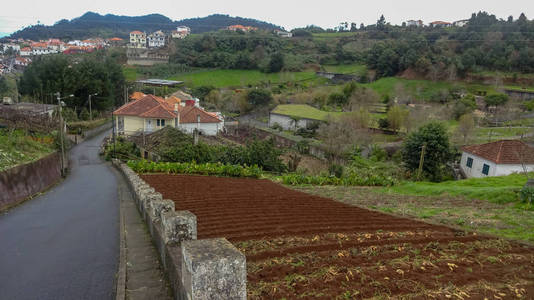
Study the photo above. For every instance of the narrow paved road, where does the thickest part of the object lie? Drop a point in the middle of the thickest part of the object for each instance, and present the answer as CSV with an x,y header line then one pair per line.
x,y
65,243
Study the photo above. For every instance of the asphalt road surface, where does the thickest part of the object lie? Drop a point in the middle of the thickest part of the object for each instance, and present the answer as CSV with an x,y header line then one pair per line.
x,y
64,244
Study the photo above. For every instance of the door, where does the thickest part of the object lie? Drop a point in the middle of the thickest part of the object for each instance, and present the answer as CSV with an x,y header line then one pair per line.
x,y
149,125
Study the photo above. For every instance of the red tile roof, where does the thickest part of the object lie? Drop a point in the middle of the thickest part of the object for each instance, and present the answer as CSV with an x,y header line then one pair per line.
x,y
136,32
147,107
189,114
503,152
137,95
151,106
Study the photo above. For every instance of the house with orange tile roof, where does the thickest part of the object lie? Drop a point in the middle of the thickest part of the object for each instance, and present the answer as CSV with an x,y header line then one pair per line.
x,y
440,24
498,158
137,96
241,28
137,39
151,113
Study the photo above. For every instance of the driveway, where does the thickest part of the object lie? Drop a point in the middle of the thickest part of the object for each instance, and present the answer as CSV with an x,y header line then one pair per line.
x,y
64,244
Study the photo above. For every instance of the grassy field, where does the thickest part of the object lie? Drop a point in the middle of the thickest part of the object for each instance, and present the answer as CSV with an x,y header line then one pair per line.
x,y
503,74
488,205
18,148
239,78
304,111
502,189
482,134
422,89
346,69
130,73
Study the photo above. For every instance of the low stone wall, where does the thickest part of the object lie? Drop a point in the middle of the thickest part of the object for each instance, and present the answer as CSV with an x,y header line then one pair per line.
x,y
197,269
21,182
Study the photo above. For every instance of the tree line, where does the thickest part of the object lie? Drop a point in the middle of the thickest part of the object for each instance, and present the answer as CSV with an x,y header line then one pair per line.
x,y
79,76
485,43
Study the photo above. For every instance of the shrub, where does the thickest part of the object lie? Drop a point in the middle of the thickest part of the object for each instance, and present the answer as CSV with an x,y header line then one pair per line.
x,y
527,194
122,149
336,170
217,169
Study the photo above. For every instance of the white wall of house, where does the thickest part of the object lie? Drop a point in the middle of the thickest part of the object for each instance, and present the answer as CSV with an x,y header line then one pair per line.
x,y
475,171
503,170
286,122
205,128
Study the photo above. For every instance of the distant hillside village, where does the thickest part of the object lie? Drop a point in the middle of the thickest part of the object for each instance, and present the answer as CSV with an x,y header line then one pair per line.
x,y
143,48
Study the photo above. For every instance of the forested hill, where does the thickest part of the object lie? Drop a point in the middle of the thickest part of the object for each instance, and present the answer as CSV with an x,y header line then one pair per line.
x,y
95,25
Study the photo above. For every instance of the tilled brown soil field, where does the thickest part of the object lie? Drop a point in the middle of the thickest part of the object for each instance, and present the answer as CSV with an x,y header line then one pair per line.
x,y
300,246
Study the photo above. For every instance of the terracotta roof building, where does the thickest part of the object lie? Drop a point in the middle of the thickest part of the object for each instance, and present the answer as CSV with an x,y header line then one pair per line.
x,y
151,113
497,158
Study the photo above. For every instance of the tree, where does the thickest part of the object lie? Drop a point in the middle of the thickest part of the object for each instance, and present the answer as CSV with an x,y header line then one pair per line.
x,y
84,114
396,116
277,63
466,126
496,99
437,153
381,23
259,97
3,86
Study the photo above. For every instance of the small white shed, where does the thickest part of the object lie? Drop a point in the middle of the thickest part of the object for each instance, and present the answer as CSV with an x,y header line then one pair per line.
x,y
498,158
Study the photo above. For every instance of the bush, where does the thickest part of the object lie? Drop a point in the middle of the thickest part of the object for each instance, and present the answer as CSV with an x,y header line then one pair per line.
x,y
378,153
123,150
218,169
259,97
336,170
527,194
364,178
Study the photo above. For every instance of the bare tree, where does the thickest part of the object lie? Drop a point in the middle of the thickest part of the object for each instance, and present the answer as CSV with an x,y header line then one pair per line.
x,y
466,126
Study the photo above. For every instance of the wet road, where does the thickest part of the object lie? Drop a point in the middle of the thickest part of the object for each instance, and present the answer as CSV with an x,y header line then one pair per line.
x,y
64,244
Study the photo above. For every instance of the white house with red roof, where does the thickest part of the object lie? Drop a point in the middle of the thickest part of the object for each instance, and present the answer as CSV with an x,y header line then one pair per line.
x,y
151,113
498,158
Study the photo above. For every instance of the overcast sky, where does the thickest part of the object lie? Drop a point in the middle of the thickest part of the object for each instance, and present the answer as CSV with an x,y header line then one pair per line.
x,y
15,15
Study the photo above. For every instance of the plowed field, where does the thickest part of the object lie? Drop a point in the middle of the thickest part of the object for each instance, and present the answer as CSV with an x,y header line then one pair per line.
x,y
300,246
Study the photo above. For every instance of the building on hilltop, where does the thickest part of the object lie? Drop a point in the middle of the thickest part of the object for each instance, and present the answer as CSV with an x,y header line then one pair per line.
x,y
498,158
137,39
416,23
440,24
460,23
241,28
283,34
181,32
157,39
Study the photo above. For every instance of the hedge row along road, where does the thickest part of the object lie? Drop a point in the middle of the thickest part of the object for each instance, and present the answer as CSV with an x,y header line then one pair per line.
x,y
298,245
64,244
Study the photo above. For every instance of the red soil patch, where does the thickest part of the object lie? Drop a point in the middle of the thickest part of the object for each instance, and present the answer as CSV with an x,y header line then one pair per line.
x,y
303,246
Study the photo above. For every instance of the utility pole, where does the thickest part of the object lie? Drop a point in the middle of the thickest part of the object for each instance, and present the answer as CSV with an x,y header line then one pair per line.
x,y
90,110
421,161
61,135
58,95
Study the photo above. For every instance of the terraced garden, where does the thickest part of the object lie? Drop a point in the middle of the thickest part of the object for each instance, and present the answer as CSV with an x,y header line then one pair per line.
x,y
303,246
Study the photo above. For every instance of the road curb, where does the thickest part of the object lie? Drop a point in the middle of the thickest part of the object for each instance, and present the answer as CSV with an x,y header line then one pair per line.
x,y
120,293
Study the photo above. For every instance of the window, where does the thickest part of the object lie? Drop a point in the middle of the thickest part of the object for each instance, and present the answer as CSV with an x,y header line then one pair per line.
x,y
162,122
469,163
485,169
157,122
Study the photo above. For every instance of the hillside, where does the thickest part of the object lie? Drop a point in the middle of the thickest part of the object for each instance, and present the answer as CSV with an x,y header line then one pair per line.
x,y
93,24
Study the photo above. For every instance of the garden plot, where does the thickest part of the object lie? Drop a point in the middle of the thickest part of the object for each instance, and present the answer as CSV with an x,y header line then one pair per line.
x,y
303,246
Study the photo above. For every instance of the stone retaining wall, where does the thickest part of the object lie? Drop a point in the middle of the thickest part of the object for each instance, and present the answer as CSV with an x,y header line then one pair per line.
x,y
197,269
21,182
